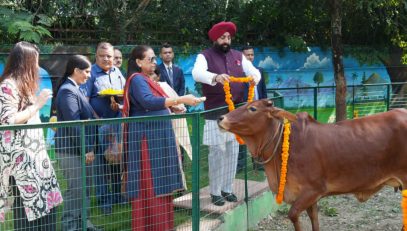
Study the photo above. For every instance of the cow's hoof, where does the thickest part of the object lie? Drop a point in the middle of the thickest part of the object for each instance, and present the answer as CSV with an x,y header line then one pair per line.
x,y
229,196
217,200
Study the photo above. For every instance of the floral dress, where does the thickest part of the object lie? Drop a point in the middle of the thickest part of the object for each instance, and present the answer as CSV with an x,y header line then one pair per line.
x,y
23,155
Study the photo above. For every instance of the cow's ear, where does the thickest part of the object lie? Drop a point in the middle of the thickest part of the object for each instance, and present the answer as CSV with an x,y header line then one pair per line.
x,y
281,114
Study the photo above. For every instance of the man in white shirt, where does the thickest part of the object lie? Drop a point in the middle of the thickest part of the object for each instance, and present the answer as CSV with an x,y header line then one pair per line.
x,y
212,68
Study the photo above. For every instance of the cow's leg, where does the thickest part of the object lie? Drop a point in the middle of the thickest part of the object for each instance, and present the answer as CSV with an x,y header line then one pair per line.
x,y
312,212
306,200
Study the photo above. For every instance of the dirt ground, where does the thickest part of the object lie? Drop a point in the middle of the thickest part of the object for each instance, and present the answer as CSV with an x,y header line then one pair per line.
x,y
344,213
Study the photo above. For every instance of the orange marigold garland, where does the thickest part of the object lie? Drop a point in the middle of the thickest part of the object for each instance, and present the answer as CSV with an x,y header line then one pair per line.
x,y
228,95
284,161
404,209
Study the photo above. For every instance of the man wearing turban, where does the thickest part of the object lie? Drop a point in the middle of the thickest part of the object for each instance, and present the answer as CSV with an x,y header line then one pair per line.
x,y
212,68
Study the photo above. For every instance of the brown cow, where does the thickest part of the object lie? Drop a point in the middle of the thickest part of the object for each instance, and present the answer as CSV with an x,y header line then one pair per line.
x,y
357,156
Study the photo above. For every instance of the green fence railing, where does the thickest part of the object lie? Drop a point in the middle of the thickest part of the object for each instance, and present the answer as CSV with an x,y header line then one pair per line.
x,y
361,100
192,207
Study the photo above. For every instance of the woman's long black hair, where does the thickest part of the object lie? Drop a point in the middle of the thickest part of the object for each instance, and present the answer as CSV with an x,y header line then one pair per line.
x,y
76,61
136,53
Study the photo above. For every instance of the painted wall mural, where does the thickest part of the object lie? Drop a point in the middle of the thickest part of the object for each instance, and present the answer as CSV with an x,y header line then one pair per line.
x,y
288,69
284,69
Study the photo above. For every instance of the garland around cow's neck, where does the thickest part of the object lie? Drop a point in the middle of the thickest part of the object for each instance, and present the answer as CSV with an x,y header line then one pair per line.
x,y
284,161
228,95
404,209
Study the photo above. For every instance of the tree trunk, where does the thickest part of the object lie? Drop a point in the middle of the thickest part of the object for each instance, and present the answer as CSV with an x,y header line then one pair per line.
x,y
396,70
337,59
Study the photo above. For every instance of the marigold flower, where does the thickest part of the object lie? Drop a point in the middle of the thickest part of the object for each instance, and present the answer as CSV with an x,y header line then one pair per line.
x,y
110,91
284,161
404,209
228,95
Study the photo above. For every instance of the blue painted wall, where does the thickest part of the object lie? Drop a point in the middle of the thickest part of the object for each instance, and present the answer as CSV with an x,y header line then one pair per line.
x,y
284,69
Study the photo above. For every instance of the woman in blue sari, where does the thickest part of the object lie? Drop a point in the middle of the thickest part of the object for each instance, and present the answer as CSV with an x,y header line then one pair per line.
x,y
153,170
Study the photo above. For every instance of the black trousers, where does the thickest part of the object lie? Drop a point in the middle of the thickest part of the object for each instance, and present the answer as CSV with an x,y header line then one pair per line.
x,y
21,223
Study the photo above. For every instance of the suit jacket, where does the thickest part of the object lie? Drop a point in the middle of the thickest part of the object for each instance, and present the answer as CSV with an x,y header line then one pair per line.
x,y
178,76
261,86
71,104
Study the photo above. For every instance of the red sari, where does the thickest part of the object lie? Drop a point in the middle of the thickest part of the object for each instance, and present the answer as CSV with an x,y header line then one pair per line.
x,y
149,212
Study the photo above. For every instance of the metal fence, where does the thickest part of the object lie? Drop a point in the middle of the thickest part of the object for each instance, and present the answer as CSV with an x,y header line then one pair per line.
x,y
82,184
361,100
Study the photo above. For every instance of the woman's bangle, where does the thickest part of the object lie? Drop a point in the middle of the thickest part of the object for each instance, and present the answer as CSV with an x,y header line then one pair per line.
x,y
175,101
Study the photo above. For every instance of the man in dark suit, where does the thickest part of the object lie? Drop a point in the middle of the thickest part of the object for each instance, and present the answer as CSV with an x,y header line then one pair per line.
x,y
260,92
170,72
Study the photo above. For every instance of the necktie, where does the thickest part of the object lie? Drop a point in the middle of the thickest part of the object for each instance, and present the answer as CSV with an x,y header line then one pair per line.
x,y
170,76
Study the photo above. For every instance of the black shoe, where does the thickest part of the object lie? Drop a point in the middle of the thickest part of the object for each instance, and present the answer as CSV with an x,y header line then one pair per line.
x,y
229,196
217,200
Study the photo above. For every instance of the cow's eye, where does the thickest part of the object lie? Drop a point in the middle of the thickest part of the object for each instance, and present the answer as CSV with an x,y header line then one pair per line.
x,y
252,109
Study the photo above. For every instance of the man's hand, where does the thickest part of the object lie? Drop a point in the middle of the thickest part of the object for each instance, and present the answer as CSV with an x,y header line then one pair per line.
x,y
222,78
252,82
89,157
113,104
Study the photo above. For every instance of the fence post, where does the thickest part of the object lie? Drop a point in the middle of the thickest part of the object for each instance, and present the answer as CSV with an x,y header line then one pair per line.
x,y
315,103
353,101
84,201
388,96
195,171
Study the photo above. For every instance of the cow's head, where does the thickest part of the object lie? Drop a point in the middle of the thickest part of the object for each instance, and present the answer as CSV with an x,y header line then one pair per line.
x,y
253,118
255,121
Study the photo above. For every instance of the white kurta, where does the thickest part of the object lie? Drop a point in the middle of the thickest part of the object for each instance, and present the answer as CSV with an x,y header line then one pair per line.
x,y
223,148
212,134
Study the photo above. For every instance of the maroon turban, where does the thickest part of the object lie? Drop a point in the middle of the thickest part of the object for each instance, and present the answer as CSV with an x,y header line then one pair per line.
x,y
219,29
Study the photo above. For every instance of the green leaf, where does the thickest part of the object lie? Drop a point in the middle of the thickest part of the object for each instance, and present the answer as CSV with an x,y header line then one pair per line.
x,y
30,37
42,31
44,20
18,26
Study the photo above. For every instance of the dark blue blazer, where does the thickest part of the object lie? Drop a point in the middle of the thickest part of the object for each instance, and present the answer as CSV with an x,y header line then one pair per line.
x,y
178,75
71,105
261,86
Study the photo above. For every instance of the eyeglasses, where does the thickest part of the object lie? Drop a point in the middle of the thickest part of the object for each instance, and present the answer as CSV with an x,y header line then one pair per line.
x,y
151,59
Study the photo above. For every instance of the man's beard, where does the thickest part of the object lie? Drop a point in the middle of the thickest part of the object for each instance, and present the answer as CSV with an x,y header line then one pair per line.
x,y
225,48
